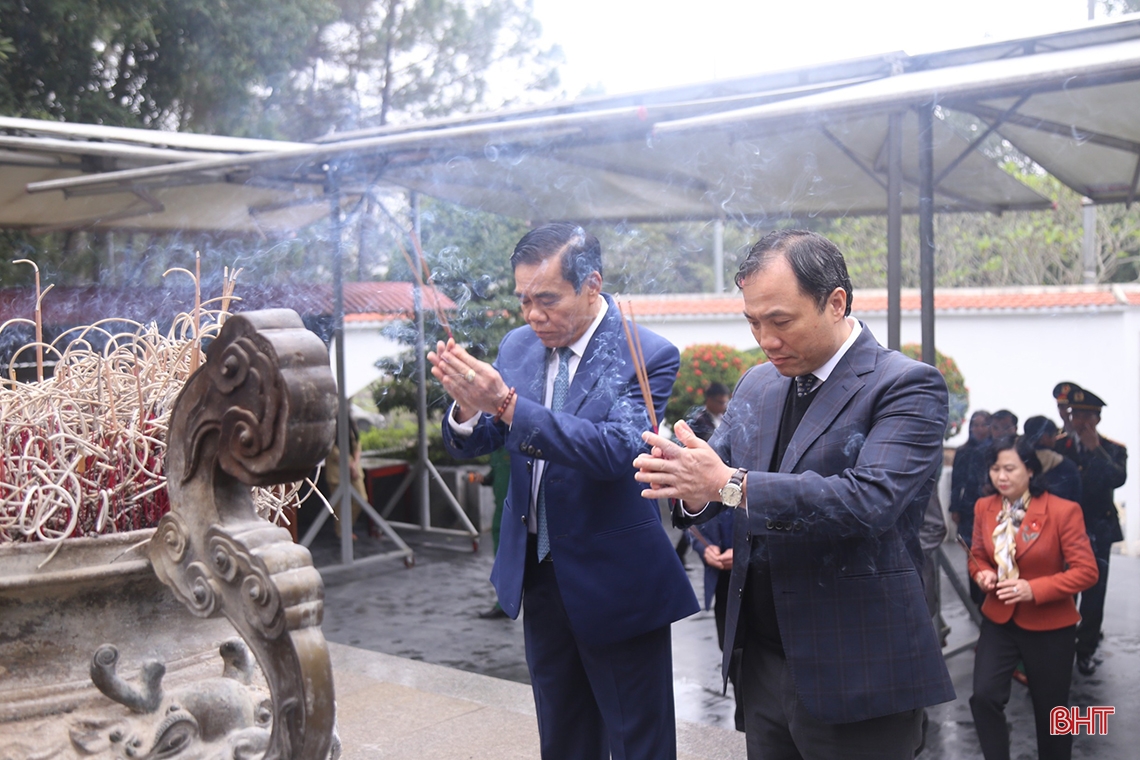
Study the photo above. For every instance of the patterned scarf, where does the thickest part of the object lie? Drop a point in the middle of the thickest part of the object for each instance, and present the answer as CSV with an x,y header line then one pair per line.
x,y
1005,537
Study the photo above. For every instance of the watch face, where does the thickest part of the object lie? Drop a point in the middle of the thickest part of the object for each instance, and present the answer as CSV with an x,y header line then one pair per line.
x,y
730,495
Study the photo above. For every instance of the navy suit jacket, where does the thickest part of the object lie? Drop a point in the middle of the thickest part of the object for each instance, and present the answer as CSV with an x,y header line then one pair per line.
x,y
842,517
616,569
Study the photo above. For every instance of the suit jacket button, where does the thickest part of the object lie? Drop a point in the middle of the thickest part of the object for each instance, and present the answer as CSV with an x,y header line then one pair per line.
x,y
748,537
798,525
538,453
740,593
524,519
770,525
529,466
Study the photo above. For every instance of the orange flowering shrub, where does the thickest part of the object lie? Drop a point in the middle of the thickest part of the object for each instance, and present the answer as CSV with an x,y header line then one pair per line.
x,y
955,383
702,365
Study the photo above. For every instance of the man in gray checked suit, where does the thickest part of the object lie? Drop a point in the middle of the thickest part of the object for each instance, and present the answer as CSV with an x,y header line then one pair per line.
x,y
829,451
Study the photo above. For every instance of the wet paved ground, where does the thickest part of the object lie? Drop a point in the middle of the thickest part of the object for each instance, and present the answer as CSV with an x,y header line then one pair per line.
x,y
430,613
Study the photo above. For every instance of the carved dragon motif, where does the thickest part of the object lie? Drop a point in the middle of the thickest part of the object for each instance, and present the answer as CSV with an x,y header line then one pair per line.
x,y
261,411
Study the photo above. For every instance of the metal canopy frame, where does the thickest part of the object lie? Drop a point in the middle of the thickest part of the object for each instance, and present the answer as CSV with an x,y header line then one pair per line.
x,y
660,148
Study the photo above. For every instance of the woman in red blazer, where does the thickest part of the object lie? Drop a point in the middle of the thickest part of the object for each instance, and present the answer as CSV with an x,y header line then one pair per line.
x,y
1030,555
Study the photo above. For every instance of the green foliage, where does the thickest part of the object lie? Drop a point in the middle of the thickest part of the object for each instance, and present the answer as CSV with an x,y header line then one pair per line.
x,y
986,250
394,440
399,442
186,64
955,384
701,366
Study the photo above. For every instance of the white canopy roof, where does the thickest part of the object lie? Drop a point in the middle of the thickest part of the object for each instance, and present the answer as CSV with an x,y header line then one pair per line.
x,y
36,151
798,143
1074,110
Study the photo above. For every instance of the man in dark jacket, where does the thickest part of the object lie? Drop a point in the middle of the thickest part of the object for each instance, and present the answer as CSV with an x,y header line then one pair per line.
x,y
707,418
827,457
1103,466
1059,475
967,484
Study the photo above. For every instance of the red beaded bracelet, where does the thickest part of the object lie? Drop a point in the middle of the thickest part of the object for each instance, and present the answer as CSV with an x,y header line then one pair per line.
x,y
503,406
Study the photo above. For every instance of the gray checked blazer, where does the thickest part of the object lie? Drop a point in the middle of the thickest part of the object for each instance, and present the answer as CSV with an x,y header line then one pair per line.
x,y
841,518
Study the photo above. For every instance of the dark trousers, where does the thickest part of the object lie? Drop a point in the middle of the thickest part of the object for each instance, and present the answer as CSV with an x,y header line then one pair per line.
x,y
780,728
720,611
1092,599
595,701
1048,658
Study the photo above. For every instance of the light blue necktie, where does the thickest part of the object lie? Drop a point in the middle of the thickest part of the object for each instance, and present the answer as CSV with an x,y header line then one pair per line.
x,y
561,391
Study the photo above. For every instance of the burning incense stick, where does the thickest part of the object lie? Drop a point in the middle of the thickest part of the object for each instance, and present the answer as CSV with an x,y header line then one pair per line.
x,y
39,320
196,315
639,367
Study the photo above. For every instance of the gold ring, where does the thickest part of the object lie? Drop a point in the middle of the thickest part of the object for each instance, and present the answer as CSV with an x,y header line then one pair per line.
x,y
470,376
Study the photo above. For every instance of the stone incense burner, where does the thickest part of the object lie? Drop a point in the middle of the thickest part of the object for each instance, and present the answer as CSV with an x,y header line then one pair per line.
x,y
198,639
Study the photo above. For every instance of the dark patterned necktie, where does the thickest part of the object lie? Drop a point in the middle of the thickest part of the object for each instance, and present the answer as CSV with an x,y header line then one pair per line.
x,y
557,401
804,385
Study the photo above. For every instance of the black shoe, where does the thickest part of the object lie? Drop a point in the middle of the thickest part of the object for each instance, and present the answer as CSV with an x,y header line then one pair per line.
x,y
495,613
1086,664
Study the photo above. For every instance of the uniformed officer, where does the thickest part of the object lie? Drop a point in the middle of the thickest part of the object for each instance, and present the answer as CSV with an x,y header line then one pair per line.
x,y
1061,393
1103,469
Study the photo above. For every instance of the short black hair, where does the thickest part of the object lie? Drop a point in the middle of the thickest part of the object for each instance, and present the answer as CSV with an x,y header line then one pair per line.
x,y
816,261
581,252
1025,452
1036,427
716,389
1005,414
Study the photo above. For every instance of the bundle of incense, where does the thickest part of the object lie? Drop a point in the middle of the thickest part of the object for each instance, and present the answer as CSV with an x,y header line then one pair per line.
x,y
634,339
82,451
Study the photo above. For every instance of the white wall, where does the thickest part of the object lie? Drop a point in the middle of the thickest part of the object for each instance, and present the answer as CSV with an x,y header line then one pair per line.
x,y
1010,360
363,346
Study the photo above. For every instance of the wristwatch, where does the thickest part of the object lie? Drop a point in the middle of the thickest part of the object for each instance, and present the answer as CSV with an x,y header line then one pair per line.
x,y
732,494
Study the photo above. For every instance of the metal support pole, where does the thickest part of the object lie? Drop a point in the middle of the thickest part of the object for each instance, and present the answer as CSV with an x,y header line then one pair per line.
x,y
718,255
422,478
894,231
926,226
343,506
1088,242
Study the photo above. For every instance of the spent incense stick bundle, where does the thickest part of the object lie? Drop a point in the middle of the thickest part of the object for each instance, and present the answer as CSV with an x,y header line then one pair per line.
x,y
634,339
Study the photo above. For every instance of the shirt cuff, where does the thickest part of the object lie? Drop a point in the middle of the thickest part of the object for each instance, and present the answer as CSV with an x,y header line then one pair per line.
x,y
701,511
461,429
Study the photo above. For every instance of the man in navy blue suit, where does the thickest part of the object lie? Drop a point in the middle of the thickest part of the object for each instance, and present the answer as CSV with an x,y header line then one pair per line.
x,y
580,551
829,452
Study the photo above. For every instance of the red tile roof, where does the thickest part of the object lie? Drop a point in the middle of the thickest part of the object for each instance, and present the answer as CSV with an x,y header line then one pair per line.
x,y
946,299
67,307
